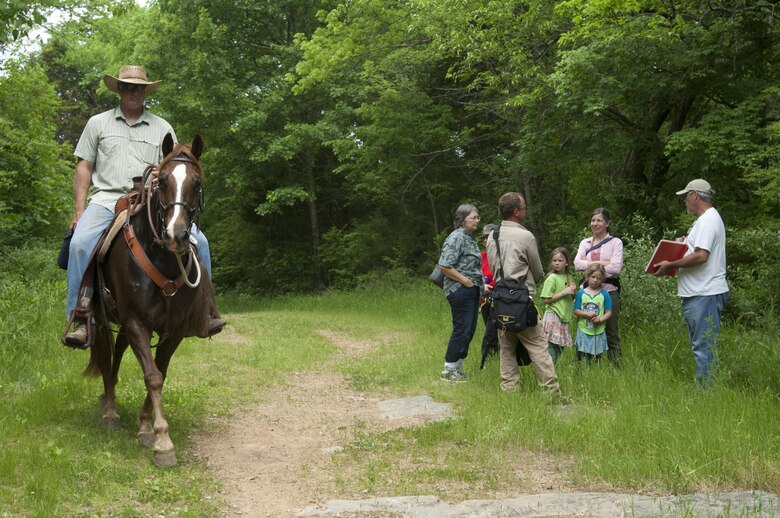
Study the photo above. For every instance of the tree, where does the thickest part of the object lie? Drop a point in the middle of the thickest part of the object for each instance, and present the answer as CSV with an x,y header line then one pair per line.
x,y
34,172
18,17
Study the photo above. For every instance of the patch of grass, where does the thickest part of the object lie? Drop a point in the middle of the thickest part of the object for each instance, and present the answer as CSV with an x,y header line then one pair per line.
x,y
643,428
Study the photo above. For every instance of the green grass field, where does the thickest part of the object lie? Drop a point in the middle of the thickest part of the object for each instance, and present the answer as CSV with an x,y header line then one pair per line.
x,y
641,429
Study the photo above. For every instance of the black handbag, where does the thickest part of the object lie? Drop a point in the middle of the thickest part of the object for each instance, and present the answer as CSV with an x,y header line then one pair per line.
x,y
62,257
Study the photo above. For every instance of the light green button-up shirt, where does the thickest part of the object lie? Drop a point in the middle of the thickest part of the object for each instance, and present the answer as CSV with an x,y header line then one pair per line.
x,y
120,151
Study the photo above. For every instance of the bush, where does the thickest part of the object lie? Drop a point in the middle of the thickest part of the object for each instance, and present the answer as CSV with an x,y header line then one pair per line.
x,y
754,274
32,297
646,300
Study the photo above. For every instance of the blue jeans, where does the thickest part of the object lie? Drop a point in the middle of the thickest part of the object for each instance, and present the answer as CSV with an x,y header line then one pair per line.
x,y
85,238
702,315
465,308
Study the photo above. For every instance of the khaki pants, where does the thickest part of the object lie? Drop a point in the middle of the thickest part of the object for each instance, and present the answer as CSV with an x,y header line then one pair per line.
x,y
531,338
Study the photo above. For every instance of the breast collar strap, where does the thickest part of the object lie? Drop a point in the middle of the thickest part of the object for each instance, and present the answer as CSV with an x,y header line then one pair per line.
x,y
167,286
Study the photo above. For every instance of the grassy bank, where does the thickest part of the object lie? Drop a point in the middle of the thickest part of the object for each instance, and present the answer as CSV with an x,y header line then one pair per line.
x,y
641,429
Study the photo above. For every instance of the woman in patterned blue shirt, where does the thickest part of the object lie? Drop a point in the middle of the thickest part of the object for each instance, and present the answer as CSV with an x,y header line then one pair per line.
x,y
461,263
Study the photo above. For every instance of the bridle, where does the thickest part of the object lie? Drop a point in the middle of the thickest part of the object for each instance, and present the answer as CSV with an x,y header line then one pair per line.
x,y
146,195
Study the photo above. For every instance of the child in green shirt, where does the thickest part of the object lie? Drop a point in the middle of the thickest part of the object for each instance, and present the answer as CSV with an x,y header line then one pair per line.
x,y
558,296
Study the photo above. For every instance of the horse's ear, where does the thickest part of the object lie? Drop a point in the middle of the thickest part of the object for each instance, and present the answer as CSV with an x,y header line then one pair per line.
x,y
197,146
167,144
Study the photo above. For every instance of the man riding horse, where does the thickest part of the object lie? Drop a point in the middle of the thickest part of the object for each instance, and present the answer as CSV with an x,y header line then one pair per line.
x,y
116,146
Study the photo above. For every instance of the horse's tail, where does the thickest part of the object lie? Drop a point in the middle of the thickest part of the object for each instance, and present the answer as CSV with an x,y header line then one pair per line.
x,y
103,344
92,370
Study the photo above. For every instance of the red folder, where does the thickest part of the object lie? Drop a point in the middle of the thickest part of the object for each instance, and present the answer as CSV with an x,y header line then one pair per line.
x,y
666,251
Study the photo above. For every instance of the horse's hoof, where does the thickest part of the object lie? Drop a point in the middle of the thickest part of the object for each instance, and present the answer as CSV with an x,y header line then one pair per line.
x,y
165,459
111,422
146,439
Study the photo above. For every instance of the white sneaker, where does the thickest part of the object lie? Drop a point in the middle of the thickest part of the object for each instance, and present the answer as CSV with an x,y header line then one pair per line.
x,y
448,375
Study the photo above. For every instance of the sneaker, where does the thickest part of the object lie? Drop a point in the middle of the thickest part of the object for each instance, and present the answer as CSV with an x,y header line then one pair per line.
x,y
453,375
215,326
78,337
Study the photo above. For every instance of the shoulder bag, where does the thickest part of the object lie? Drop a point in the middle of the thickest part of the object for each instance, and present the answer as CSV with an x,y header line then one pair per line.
x,y
437,276
511,308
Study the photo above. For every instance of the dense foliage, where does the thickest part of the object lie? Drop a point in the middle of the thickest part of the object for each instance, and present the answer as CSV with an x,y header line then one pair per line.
x,y
341,136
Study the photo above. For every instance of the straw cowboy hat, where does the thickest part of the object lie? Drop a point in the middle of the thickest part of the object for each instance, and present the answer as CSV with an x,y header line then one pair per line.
x,y
134,74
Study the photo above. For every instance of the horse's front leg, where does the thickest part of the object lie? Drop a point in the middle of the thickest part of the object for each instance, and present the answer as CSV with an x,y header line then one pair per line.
x,y
146,433
164,452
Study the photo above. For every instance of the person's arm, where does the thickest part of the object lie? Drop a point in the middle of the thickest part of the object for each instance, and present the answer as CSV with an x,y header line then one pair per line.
x,y
585,314
614,265
580,261
599,319
607,308
456,276
555,297
698,257
534,262
81,182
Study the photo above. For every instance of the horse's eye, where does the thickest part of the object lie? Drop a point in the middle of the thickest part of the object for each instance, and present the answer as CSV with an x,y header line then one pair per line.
x,y
162,180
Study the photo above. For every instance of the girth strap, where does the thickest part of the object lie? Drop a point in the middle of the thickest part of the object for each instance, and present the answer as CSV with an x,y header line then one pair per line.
x,y
167,286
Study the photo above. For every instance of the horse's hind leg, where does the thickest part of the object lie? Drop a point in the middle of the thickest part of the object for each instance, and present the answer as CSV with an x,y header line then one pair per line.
x,y
103,350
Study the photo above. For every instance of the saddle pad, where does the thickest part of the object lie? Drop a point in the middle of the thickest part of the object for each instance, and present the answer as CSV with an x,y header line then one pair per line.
x,y
116,226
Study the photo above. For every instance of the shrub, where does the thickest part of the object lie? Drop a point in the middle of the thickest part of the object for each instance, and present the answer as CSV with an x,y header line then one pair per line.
x,y
32,296
754,273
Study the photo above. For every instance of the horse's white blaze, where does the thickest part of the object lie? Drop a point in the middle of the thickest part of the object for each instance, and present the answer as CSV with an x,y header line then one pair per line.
x,y
179,174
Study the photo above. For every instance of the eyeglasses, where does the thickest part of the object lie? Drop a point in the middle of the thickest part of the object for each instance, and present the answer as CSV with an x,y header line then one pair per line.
x,y
474,218
132,87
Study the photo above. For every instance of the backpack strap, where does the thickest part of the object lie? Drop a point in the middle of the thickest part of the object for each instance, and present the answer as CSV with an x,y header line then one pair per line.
x,y
500,270
500,260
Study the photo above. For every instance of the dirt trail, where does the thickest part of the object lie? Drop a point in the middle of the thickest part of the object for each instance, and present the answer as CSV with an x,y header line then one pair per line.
x,y
274,459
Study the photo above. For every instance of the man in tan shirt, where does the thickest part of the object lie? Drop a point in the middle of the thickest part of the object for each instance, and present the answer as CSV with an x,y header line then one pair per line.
x,y
520,259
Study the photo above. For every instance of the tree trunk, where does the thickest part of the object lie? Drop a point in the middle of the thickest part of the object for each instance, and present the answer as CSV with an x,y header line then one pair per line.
x,y
311,185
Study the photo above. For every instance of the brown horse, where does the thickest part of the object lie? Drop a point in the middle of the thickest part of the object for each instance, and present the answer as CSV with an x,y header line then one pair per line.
x,y
167,298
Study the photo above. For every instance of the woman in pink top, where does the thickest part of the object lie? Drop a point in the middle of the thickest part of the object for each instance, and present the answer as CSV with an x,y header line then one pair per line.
x,y
607,251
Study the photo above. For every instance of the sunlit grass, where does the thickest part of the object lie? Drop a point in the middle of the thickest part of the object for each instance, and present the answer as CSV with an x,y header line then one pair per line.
x,y
640,429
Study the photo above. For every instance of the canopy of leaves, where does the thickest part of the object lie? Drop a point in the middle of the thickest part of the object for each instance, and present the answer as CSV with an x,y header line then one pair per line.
x,y
341,135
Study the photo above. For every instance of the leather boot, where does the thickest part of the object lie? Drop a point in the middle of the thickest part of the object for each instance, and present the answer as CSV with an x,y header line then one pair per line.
x,y
78,337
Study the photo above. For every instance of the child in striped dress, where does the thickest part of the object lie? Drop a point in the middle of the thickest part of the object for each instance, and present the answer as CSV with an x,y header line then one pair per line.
x,y
558,296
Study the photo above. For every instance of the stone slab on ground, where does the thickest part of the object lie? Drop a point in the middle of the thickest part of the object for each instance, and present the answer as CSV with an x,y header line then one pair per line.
x,y
588,504
413,407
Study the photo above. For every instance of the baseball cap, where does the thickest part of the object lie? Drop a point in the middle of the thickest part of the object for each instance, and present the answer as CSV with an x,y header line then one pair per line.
x,y
698,185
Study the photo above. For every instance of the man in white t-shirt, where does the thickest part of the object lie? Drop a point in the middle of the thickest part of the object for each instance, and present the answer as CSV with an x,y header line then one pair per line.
x,y
701,280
